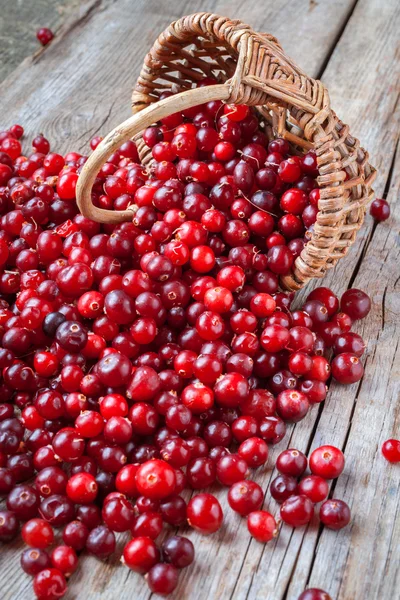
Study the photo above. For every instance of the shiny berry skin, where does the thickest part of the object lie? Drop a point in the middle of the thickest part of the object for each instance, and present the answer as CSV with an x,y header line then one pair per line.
x,y
34,560
68,444
162,578
379,209
291,462
231,469
254,451
141,554
349,342
327,297
49,584
274,338
201,472
314,487
231,389
178,551
245,497
37,533
44,35
314,594
334,514
347,368
292,405
23,500
9,526
82,488
327,462
262,526
391,450
280,259
101,542
65,559
118,514
75,534
297,511
236,112
155,479
272,429
282,487
58,510
204,513
355,303
289,170
148,524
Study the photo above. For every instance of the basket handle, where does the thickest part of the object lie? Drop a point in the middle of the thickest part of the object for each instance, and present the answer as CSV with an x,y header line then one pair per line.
x,y
125,131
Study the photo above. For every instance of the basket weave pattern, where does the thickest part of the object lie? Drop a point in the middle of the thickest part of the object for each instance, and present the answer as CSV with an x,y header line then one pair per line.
x,y
292,105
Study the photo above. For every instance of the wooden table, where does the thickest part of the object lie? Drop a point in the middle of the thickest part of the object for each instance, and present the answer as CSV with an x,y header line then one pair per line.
x,y
79,87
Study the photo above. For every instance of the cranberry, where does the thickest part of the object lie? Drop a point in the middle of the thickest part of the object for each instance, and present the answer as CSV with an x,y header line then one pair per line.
x,y
34,560
379,209
327,462
245,497
231,469
297,511
49,583
282,487
141,554
347,368
204,513
101,542
355,303
262,526
155,479
254,451
334,514
391,450
75,535
178,551
314,487
291,462
162,578
292,405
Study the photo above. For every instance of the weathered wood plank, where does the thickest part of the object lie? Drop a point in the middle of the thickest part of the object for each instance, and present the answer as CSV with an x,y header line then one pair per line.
x,y
109,67
18,25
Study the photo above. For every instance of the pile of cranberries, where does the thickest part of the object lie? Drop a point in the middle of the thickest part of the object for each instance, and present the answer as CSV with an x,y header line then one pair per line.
x,y
143,359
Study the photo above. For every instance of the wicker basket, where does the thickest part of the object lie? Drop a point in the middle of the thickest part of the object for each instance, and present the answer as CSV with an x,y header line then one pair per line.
x,y
253,70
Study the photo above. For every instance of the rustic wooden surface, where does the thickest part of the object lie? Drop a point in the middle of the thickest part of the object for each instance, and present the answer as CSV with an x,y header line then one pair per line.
x,y
80,86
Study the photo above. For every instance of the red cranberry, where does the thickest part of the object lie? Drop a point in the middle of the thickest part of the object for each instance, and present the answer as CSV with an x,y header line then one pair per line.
x,y
297,511
327,462
262,526
391,450
379,209
245,497
334,514
204,513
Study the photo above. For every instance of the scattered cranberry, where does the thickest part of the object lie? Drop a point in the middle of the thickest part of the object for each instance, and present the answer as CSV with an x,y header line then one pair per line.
x,y
379,209
327,462
291,462
314,487
334,514
44,35
262,526
297,511
391,450
204,513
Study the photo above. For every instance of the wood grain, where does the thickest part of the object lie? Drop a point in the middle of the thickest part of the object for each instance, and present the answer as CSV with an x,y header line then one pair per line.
x,y
19,22
82,88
